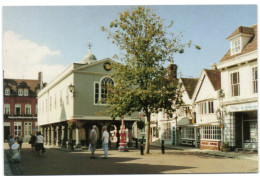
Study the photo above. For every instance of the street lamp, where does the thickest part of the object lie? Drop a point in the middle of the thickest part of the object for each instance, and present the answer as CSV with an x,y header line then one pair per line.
x,y
72,90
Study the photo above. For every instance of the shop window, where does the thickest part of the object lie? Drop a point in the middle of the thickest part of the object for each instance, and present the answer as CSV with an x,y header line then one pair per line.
x,y
17,128
254,72
250,131
210,132
27,128
235,84
166,131
187,133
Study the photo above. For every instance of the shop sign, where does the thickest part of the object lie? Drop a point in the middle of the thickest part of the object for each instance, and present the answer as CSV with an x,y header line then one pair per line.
x,y
242,107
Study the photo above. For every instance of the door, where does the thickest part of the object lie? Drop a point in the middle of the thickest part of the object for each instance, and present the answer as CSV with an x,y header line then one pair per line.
x,y
6,132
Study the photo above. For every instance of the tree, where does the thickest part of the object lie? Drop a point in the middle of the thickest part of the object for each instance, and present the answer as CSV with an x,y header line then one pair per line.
x,y
141,80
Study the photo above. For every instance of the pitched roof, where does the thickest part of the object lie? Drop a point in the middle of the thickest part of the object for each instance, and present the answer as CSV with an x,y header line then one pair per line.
x,y
14,84
243,30
190,84
250,46
214,77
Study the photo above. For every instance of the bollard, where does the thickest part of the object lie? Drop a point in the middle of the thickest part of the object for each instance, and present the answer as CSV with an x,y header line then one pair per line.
x,y
162,147
142,148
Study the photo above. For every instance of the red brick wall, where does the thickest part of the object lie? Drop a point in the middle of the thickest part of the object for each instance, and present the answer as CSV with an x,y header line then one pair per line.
x,y
212,145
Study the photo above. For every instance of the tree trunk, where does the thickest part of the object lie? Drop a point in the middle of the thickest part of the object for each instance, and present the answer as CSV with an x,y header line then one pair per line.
x,y
147,128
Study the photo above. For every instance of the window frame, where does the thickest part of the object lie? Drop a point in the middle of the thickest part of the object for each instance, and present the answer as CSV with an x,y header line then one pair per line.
x,y
235,46
20,92
26,92
29,108
212,132
100,91
27,128
17,106
254,80
7,106
17,128
7,91
233,85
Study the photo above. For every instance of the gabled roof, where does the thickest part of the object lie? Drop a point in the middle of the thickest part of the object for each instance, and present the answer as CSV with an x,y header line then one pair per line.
x,y
214,77
250,46
14,84
190,84
242,30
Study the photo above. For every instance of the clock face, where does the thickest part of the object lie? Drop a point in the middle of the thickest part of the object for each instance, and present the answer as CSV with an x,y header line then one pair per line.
x,y
107,66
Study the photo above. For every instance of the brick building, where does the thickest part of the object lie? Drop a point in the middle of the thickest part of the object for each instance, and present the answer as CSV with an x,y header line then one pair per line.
x,y
20,106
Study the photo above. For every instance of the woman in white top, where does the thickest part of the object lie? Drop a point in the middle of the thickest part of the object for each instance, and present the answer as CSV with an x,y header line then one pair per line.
x,y
39,143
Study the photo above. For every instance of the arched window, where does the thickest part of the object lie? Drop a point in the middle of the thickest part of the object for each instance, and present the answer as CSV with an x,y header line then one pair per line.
x,y
101,90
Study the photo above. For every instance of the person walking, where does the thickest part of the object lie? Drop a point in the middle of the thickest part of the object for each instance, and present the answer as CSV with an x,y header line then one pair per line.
x,y
93,141
33,141
105,139
39,143
20,140
11,141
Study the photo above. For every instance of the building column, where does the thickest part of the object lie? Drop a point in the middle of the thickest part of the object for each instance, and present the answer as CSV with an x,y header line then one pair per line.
x,y
46,136
64,136
78,144
52,136
58,136
49,135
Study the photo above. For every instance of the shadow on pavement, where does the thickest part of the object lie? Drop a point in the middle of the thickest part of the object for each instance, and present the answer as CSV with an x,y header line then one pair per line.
x,y
57,162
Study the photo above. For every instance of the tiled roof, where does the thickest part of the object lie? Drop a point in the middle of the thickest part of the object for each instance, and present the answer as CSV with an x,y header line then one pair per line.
x,y
214,77
250,46
14,84
243,30
190,84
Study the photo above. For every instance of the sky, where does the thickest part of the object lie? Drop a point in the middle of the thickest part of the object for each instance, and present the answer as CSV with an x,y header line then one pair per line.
x,y
50,38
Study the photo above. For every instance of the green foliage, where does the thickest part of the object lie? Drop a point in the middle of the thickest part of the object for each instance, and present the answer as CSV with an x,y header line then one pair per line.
x,y
141,81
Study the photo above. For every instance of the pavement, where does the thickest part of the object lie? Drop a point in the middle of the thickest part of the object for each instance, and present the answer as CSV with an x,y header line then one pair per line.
x,y
242,155
185,155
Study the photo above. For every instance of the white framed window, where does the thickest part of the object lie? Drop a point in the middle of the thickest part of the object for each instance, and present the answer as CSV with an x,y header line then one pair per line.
x,y
17,128
28,109
254,76
101,90
187,133
235,46
27,128
17,109
210,107
235,84
206,107
7,91
7,109
166,131
210,132
20,92
26,92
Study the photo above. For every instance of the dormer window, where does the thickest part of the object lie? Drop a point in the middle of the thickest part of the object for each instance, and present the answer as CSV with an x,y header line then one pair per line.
x,y
235,46
26,92
7,91
20,92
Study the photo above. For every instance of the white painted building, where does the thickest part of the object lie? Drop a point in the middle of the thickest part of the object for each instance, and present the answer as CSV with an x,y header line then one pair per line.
x,y
239,85
205,99
75,101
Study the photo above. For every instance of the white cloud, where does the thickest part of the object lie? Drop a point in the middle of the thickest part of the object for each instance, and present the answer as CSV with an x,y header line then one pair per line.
x,y
22,58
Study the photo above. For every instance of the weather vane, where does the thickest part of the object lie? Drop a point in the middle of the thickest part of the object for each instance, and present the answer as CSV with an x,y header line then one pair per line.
x,y
89,44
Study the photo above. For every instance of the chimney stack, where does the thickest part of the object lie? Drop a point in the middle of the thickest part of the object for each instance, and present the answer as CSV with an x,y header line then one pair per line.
x,y
172,71
40,77
214,67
